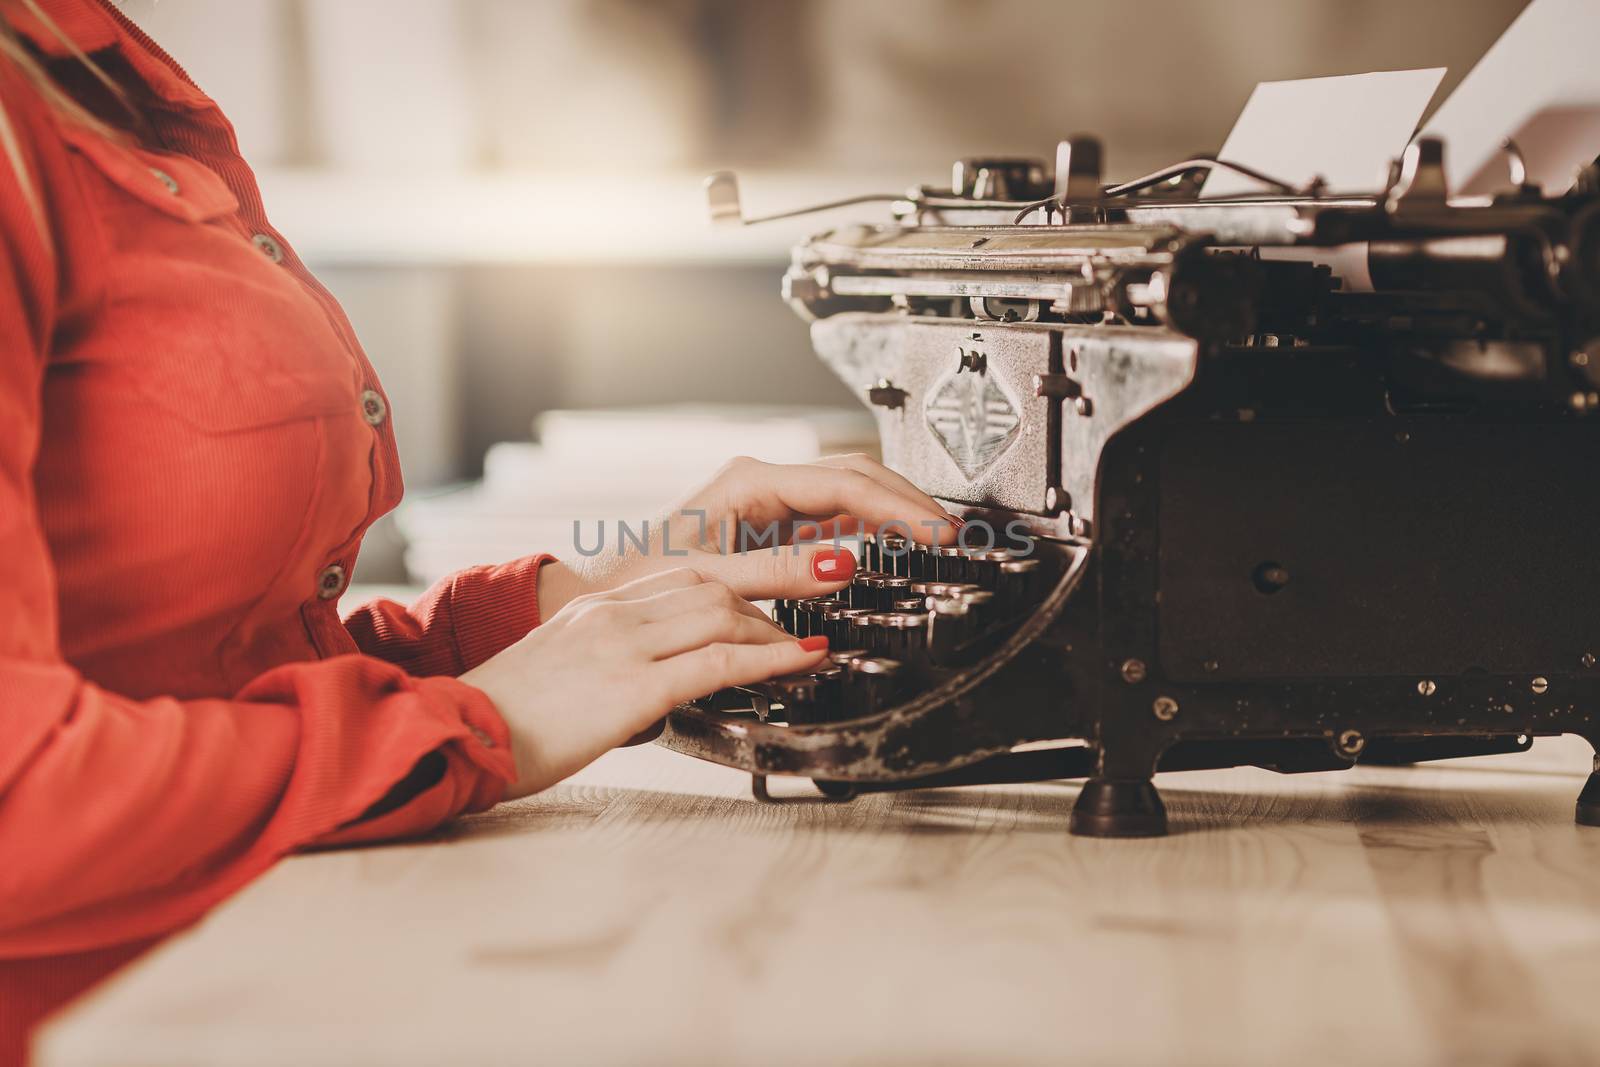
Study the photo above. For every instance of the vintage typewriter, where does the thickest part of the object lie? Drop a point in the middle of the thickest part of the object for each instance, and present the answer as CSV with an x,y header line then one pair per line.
x,y
1293,480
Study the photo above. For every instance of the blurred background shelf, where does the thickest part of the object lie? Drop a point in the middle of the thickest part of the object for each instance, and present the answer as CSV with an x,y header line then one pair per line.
x,y
341,217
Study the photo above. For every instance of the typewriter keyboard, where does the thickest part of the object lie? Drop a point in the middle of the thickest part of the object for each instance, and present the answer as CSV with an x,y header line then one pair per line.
x,y
911,615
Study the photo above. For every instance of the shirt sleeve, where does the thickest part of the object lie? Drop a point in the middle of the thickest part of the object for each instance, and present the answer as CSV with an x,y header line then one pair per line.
x,y
123,818
461,621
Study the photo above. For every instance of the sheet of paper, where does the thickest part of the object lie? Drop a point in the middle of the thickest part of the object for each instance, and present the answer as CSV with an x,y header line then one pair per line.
x,y
1345,129
1538,84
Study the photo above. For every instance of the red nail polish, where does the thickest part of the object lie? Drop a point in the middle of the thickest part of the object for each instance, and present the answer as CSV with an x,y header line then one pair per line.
x,y
814,644
833,565
957,523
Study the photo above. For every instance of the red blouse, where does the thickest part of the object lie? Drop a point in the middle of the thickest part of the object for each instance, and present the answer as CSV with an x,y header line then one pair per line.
x,y
192,444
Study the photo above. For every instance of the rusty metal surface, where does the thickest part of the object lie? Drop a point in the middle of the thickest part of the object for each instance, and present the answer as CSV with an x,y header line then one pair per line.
x,y
1118,375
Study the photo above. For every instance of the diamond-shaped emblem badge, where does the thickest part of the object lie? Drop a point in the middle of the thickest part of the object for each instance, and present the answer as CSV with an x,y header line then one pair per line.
x,y
974,419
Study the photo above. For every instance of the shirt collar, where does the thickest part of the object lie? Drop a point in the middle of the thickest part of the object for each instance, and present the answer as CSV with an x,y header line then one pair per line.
x,y
96,26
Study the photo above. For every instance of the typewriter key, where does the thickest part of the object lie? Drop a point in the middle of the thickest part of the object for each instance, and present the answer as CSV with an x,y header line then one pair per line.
x,y
950,566
871,684
838,625
783,613
910,603
1018,585
864,634
894,551
808,616
871,554
893,588
903,635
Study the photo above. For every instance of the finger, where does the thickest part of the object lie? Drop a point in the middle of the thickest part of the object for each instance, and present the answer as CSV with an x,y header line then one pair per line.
x,y
786,571
785,490
647,735
691,630
706,596
712,667
865,464
665,581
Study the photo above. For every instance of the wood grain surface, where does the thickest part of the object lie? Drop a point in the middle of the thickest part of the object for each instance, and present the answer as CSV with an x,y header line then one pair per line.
x,y
648,911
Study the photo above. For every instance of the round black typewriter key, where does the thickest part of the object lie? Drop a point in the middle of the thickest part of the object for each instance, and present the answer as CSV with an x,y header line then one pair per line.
x,y
871,684
808,617
893,588
1018,585
950,566
919,562
841,632
859,593
904,633
783,613
948,626
865,634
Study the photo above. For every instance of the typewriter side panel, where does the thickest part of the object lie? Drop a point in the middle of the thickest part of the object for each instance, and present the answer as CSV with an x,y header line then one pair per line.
x,y
1327,580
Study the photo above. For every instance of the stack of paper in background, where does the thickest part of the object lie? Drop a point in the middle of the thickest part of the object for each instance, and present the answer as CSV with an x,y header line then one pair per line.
x,y
625,464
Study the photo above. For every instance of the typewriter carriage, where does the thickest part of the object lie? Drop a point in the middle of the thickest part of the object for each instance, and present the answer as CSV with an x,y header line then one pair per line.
x,y
1287,525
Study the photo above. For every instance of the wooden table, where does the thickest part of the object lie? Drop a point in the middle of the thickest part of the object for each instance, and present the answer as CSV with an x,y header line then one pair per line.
x,y
649,911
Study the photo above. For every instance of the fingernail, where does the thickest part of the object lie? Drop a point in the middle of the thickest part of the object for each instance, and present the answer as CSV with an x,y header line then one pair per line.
x,y
957,523
814,644
833,565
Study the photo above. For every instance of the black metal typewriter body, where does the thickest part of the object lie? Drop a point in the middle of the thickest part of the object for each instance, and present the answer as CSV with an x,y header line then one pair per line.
x,y
1241,502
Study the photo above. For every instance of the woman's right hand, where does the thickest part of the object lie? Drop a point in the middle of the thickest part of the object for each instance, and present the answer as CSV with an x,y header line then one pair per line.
x,y
609,665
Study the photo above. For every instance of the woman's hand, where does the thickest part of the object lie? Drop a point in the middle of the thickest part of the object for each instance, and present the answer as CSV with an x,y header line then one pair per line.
x,y
762,529
609,665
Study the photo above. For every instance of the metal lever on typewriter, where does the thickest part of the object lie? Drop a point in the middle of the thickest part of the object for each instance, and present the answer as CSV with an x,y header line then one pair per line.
x,y
725,208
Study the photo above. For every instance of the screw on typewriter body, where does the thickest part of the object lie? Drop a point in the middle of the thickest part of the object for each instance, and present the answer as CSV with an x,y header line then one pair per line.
x,y
1056,499
1134,671
1588,660
1165,708
885,395
1427,687
1057,387
971,360
1350,743
1540,685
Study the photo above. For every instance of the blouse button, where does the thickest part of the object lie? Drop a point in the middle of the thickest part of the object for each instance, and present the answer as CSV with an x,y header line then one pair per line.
x,y
268,247
330,583
373,409
166,179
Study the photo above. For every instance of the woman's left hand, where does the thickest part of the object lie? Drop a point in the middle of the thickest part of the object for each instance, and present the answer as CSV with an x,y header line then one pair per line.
x,y
765,530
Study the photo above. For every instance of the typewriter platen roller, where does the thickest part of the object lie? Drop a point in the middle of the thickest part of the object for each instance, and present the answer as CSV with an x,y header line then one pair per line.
x,y
1259,519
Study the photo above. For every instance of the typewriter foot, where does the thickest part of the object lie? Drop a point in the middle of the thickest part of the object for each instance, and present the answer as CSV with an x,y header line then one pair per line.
x,y
1119,807
1589,802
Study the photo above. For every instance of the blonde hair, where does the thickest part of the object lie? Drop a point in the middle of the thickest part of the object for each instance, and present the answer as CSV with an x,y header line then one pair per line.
x,y
13,51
